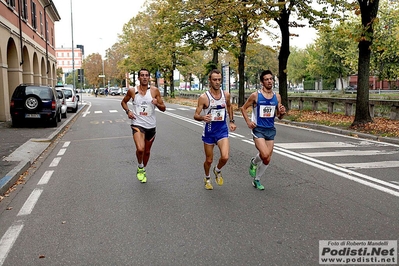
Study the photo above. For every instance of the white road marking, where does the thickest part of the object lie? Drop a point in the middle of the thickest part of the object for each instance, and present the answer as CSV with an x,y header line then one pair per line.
x,y
55,162
45,177
113,111
370,165
87,110
8,239
98,112
339,171
314,145
66,144
236,135
30,202
348,153
61,152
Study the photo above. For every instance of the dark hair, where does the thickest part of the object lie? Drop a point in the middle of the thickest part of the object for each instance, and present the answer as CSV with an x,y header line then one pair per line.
x,y
264,73
143,69
214,71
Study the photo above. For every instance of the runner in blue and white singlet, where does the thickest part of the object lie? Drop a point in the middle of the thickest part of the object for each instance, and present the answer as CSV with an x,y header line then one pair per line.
x,y
212,108
216,129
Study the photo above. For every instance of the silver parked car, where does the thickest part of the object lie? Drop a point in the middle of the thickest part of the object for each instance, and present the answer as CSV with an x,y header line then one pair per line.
x,y
62,98
72,99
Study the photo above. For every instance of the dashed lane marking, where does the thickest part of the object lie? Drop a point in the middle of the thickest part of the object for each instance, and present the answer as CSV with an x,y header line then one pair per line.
x,y
8,239
30,202
45,177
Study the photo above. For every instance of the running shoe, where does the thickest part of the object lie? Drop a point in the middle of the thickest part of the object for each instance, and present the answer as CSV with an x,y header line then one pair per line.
x,y
258,185
208,184
252,168
218,176
141,174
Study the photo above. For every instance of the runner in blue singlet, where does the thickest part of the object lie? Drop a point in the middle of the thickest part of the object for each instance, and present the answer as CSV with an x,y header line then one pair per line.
x,y
266,105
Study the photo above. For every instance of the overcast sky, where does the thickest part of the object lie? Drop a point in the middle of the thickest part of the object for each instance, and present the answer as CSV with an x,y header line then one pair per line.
x,y
96,24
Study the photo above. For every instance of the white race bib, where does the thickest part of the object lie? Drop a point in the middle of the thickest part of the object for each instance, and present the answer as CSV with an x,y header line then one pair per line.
x,y
266,111
218,114
144,109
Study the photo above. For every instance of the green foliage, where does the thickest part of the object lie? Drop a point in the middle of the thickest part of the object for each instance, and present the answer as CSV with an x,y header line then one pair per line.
x,y
385,50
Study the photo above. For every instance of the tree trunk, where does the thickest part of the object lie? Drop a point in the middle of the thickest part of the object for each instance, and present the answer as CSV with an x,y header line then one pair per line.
x,y
283,22
241,63
362,115
369,10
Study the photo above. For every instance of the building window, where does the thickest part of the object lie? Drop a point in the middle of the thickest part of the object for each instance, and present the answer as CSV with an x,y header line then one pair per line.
x,y
24,10
41,22
47,29
11,3
33,13
52,36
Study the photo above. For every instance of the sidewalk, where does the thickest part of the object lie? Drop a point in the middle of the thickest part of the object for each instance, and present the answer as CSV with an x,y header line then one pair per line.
x,y
20,147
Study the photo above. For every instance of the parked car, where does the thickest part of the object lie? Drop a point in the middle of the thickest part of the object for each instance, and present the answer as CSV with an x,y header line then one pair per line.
x,y
35,102
114,91
62,98
72,99
351,89
299,89
124,90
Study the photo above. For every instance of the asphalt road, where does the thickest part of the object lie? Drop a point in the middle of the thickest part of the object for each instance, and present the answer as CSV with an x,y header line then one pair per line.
x,y
21,146
83,205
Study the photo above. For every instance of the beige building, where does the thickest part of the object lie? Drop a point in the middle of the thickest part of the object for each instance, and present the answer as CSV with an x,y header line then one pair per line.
x,y
27,47
65,60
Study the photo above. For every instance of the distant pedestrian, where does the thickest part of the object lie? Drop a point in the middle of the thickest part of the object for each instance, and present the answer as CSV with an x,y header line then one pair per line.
x,y
212,108
106,92
266,105
145,98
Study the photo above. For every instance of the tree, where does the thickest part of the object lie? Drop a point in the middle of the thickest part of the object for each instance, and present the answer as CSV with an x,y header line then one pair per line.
x,y
245,23
114,72
385,51
368,11
93,68
337,51
259,57
281,12
59,74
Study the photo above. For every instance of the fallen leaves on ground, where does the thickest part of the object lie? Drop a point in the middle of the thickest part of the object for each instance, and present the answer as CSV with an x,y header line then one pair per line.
x,y
380,126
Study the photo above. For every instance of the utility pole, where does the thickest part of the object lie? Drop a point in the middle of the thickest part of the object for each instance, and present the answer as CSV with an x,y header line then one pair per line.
x,y
73,52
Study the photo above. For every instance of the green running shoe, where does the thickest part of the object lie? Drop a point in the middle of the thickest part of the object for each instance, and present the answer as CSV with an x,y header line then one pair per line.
x,y
141,174
252,168
258,185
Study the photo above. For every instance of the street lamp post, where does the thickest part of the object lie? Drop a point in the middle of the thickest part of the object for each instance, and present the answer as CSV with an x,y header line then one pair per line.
x,y
103,75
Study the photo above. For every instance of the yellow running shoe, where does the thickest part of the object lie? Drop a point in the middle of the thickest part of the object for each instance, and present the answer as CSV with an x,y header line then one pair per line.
x,y
218,176
208,184
141,174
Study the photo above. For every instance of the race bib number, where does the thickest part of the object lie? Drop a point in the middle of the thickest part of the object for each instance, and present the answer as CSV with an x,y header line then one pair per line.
x,y
144,110
267,111
218,114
